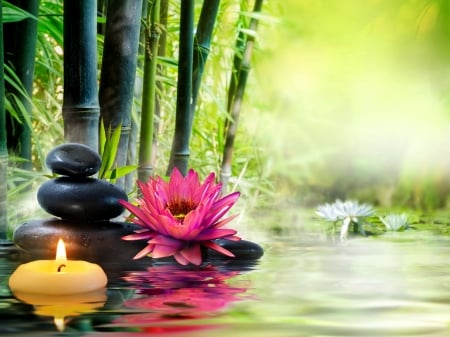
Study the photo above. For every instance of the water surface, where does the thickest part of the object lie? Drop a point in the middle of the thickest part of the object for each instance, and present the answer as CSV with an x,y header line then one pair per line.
x,y
306,284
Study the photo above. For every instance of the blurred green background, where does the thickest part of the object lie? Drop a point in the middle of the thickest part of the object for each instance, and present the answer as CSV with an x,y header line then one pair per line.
x,y
351,99
346,99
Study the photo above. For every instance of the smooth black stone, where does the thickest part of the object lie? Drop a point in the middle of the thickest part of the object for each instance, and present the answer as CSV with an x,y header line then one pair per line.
x,y
81,199
242,249
246,254
102,244
73,159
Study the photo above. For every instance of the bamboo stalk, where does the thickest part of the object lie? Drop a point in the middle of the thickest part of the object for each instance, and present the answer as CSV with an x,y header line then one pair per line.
x,y
179,156
118,71
164,12
237,59
19,52
80,103
133,138
202,44
3,145
237,98
145,168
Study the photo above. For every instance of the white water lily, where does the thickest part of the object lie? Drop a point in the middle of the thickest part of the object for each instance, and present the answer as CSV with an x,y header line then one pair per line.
x,y
395,222
327,211
349,212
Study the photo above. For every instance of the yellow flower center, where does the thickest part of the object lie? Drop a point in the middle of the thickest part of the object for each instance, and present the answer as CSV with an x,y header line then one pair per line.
x,y
180,208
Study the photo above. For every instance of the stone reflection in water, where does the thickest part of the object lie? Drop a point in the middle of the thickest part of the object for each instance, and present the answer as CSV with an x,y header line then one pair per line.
x,y
173,297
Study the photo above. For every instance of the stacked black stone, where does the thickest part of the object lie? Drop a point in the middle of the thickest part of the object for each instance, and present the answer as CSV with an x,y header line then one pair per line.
x,y
84,209
75,195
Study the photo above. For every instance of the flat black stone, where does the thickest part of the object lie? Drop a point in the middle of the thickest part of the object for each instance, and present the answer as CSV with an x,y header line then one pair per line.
x,y
246,255
102,244
81,199
73,159
242,249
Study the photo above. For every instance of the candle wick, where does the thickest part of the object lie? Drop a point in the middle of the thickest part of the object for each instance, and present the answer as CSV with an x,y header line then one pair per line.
x,y
60,267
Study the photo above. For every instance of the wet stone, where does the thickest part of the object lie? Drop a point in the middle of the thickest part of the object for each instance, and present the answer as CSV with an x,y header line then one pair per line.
x,y
242,250
73,159
81,199
246,255
37,239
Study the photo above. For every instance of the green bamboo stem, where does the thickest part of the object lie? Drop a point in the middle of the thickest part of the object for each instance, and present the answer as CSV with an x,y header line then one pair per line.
x,y
237,59
202,43
133,139
145,168
163,17
118,71
3,144
236,101
80,101
179,156
19,52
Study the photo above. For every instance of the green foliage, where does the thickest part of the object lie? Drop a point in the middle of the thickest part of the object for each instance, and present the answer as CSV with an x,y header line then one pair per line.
x,y
109,144
20,185
13,13
47,98
12,104
249,174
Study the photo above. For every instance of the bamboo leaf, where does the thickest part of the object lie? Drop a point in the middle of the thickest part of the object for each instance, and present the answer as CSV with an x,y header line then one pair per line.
x,y
249,32
109,147
262,17
14,81
102,138
13,13
15,104
113,145
124,170
101,19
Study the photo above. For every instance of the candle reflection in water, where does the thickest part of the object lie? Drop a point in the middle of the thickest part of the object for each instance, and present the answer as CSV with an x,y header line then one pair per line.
x,y
174,297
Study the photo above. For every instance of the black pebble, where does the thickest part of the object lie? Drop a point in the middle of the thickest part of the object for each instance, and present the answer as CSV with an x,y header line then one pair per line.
x,y
242,249
73,159
81,199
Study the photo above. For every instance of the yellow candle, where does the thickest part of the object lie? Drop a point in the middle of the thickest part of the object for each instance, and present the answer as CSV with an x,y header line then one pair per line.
x,y
57,277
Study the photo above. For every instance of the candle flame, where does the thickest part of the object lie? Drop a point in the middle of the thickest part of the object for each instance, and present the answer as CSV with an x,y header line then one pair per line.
x,y
61,250
59,323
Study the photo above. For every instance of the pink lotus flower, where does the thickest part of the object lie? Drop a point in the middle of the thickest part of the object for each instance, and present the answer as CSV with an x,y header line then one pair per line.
x,y
180,216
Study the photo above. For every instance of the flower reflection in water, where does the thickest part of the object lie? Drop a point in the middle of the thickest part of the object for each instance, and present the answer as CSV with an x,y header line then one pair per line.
x,y
170,297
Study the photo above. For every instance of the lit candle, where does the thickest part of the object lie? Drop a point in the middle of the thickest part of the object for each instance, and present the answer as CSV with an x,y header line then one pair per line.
x,y
60,287
57,277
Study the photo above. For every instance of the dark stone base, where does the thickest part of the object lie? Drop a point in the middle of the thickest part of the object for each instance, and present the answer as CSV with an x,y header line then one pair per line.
x,y
242,249
96,242
247,255
101,243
